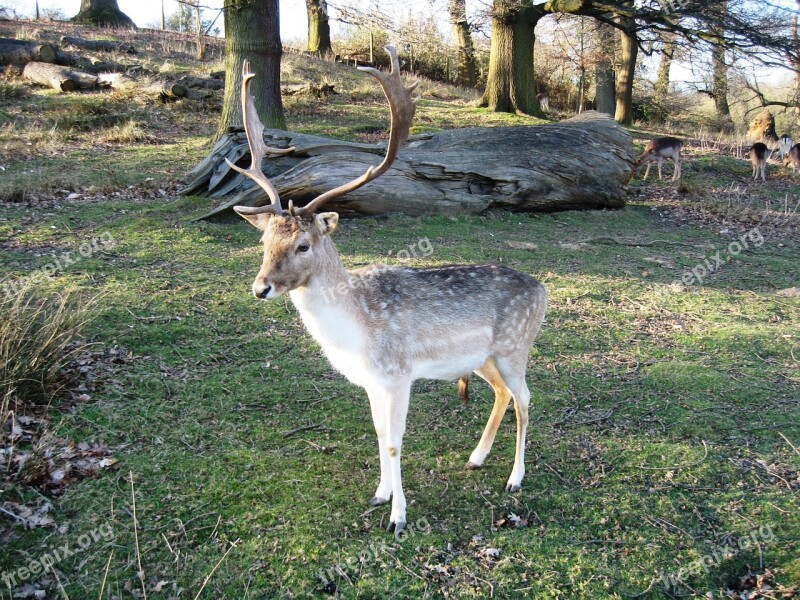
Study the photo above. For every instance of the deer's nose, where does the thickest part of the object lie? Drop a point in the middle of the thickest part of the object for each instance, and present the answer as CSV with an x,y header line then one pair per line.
x,y
259,291
265,292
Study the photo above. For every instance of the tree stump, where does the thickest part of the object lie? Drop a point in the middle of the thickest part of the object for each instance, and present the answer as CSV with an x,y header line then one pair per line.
x,y
583,162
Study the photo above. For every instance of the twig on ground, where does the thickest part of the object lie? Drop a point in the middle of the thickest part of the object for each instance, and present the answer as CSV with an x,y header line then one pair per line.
x,y
219,562
136,537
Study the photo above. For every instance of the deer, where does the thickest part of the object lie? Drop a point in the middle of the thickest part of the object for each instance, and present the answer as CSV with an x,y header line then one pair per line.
x,y
544,101
758,155
387,326
792,158
785,145
659,150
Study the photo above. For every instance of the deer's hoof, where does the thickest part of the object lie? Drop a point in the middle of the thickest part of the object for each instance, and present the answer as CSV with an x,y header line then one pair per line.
x,y
375,501
513,487
472,466
397,528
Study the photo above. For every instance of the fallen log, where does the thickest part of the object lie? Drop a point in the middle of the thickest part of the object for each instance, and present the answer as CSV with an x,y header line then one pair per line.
x,y
96,45
308,89
583,162
21,52
58,77
201,83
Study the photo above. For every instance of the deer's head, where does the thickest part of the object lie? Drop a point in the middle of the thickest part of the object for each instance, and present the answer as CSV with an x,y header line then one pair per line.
x,y
295,248
297,241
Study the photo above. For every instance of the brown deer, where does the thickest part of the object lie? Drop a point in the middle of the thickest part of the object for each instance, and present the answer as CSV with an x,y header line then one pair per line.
x,y
659,150
385,327
758,155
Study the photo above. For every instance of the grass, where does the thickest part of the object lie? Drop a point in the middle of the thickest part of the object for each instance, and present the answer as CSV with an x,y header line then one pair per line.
x,y
39,335
664,417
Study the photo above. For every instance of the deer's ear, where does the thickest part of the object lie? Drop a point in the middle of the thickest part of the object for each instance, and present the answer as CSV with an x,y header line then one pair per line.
x,y
326,222
259,221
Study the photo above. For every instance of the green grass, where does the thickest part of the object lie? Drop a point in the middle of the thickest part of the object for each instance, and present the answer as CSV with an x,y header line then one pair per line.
x,y
651,410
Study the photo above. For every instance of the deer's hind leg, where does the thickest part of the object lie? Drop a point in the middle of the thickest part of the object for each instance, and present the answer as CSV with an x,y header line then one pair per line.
x,y
502,396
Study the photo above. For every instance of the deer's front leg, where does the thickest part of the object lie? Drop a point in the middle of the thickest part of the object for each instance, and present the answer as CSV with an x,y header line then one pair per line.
x,y
396,412
377,404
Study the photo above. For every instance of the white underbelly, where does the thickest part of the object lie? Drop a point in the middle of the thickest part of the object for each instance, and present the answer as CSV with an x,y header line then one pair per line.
x,y
450,369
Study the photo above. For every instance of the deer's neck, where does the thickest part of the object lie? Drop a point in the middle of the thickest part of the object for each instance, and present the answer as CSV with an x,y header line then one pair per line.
x,y
325,302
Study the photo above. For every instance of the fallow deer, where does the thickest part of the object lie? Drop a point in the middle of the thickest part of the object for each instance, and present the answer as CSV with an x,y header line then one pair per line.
x,y
785,145
758,155
659,150
544,101
388,326
792,158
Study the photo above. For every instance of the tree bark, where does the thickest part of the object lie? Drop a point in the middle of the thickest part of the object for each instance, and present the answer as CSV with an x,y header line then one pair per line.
x,y
583,162
604,70
58,77
629,50
103,13
20,52
252,33
510,86
661,91
466,72
319,30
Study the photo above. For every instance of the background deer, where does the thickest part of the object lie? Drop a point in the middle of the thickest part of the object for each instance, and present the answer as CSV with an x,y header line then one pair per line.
x,y
544,101
388,326
659,150
785,144
758,155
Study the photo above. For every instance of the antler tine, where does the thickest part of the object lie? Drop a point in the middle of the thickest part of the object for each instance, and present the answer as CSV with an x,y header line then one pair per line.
x,y
254,130
402,107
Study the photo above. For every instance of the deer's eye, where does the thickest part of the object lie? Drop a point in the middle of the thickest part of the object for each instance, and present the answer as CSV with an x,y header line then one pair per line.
x,y
303,247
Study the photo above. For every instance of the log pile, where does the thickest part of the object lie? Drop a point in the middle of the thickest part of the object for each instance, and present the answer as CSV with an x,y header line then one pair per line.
x,y
583,162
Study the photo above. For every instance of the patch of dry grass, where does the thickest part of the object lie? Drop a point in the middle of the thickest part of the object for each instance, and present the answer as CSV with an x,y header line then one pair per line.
x,y
39,334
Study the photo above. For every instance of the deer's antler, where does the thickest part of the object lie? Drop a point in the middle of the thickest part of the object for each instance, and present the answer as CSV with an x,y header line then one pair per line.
x,y
401,106
254,130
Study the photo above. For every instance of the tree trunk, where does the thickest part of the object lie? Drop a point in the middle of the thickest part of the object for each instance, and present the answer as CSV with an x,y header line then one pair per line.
x,y
58,77
103,13
661,91
510,86
583,162
604,70
719,70
629,50
252,33
719,89
466,73
319,30
20,52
